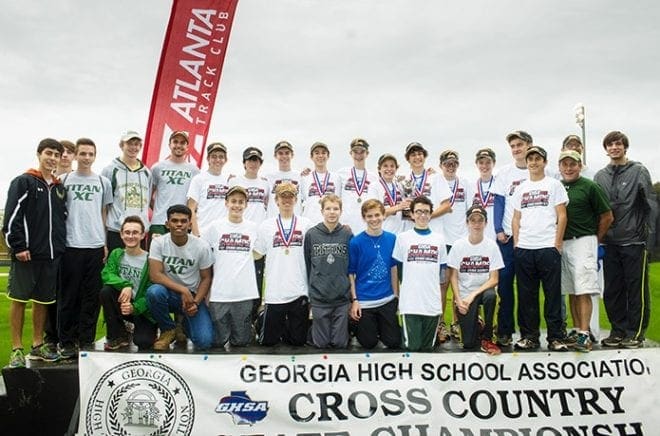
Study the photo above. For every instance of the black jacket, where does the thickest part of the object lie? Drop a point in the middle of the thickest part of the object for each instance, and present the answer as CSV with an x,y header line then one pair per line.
x,y
35,216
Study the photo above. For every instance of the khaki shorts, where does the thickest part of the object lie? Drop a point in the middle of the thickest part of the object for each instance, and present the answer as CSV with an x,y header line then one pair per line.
x,y
579,266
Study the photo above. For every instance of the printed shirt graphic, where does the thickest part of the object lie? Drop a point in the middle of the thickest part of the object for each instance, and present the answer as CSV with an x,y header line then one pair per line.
x,y
422,256
536,202
286,272
257,190
130,268
233,270
182,264
86,197
171,181
392,223
370,259
310,195
453,224
507,181
351,214
209,192
274,180
474,263
435,189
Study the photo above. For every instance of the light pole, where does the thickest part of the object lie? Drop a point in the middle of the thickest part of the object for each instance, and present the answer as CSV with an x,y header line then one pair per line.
x,y
579,120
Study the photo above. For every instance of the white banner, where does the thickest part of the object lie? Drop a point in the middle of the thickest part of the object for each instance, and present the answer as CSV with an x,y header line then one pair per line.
x,y
381,394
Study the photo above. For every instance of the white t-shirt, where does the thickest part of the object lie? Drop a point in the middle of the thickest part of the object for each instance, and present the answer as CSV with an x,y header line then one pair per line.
x,y
352,202
507,181
275,179
386,192
182,264
257,190
209,192
313,187
435,189
536,202
233,270
474,262
422,256
86,197
286,272
483,196
453,223
171,181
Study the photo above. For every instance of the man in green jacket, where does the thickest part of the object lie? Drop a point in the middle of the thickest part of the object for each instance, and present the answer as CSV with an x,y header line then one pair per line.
x,y
123,296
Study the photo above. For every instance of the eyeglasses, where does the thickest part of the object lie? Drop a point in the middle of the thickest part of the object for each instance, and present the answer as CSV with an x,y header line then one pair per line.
x,y
420,212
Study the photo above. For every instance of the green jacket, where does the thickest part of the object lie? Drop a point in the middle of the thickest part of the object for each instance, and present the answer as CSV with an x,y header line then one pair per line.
x,y
110,276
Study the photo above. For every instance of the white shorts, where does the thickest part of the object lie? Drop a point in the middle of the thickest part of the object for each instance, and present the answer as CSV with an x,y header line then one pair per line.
x,y
579,266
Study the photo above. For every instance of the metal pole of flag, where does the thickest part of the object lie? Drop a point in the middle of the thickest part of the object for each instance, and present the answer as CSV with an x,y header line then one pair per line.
x,y
579,120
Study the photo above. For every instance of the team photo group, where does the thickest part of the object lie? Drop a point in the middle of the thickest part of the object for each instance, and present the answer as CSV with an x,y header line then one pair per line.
x,y
387,253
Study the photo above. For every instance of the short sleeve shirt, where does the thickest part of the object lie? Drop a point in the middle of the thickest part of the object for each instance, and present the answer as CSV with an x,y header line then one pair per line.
x,y
182,264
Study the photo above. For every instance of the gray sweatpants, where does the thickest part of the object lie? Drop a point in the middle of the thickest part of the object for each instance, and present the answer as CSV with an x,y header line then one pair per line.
x,y
330,326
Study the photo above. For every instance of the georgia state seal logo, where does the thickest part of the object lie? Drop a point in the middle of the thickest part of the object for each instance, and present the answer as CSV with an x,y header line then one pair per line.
x,y
141,397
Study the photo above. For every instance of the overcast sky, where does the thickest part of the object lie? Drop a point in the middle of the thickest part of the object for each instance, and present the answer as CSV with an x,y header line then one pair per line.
x,y
448,74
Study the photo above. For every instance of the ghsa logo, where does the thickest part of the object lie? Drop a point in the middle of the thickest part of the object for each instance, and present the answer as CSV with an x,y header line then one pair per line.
x,y
242,409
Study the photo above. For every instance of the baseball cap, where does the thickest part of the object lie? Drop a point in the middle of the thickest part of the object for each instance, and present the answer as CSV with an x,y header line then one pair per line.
x,y
180,133
237,189
130,134
286,188
538,150
359,142
571,154
519,134
570,138
283,144
478,210
215,146
485,152
385,157
448,155
251,152
318,145
413,146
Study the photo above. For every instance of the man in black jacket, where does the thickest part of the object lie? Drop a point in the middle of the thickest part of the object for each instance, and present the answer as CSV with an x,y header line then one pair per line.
x,y
35,231
627,185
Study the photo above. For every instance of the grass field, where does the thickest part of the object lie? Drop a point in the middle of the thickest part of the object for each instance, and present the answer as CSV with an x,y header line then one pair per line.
x,y
652,333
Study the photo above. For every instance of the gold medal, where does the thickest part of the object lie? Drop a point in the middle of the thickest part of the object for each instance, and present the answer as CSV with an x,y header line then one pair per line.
x,y
359,200
286,251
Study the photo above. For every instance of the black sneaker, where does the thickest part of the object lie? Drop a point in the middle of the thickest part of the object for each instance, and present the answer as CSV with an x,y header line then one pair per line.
x,y
612,341
631,343
557,345
504,340
525,344
69,352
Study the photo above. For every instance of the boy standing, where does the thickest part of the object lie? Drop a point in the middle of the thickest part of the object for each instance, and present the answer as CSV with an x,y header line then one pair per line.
x,y
474,263
326,258
423,254
372,272
283,153
233,289
281,240
358,185
538,224
35,231
319,183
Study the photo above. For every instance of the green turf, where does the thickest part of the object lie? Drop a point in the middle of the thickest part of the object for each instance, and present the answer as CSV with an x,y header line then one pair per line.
x,y
652,333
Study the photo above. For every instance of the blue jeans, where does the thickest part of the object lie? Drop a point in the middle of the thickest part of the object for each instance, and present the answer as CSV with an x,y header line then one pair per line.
x,y
162,302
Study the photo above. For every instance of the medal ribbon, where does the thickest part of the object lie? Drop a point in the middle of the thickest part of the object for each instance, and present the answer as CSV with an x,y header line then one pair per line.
x,y
286,234
359,187
420,182
484,199
391,195
321,187
454,190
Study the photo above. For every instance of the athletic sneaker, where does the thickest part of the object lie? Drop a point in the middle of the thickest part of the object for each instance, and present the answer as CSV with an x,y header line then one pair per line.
x,y
557,345
504,340
571,339
525,344
489,347
69,351
16,359
631,343
164,340
612,341
116,344
443,334
583,343
41,352
455,331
